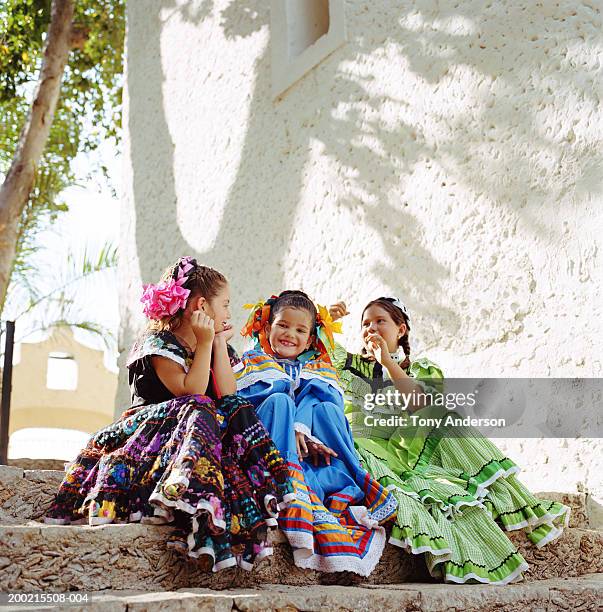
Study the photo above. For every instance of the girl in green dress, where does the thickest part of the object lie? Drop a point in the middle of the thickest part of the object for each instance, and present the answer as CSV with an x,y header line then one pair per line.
x,y
453,491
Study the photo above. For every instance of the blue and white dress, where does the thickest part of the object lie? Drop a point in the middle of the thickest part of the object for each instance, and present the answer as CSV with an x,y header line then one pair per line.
x,y
335,522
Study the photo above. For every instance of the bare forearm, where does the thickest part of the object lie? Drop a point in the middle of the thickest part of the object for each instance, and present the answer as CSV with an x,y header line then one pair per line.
x,y
197,378
404,383
222,370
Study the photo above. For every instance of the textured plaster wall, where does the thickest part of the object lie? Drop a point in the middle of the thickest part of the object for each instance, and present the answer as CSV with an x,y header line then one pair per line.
x,y
449,153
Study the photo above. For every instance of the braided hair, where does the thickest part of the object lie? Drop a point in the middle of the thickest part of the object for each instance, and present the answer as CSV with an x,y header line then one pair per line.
x,y
202,281
399,317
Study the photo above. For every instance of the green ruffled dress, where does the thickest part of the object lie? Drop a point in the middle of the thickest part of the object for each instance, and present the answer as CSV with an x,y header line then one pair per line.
x,y
453,492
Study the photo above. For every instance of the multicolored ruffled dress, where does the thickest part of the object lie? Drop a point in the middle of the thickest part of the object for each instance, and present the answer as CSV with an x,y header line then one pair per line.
x,y
204,463
453,491
335,522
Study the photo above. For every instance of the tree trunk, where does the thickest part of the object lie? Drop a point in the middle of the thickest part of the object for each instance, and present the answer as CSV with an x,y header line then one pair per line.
x,y
19,181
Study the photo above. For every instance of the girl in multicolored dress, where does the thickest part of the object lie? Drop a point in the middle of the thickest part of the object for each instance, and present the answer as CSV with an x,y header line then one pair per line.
x,y
453,491
335,522
189,451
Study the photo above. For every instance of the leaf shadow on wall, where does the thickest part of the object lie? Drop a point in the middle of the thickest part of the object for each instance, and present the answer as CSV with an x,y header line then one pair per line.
x,y
502,129
528,75
258,217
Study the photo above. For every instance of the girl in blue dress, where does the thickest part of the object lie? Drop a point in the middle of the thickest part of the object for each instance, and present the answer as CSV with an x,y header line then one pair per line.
x,y
335,523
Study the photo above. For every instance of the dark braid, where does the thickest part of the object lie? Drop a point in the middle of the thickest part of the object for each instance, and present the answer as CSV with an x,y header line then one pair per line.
x,y
398,318
202,281
405,344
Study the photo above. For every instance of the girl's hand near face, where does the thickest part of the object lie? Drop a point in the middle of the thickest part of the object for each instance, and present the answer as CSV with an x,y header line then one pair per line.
x,y
225,335
203,327
377,348
338,311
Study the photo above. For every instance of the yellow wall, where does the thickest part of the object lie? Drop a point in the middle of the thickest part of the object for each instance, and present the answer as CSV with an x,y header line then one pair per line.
x,y
88,408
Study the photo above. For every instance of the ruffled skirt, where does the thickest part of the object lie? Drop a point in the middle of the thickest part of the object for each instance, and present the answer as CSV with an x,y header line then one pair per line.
x,y
209,468
456,494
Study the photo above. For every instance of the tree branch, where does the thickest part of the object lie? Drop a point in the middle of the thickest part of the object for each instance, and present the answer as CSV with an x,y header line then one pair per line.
x,y
20,178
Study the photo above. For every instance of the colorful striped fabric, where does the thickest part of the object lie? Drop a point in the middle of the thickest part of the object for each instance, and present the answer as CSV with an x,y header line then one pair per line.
x,y
257,366
338,536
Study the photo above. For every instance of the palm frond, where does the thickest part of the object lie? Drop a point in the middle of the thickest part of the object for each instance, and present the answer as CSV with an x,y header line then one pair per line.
x,y
77,270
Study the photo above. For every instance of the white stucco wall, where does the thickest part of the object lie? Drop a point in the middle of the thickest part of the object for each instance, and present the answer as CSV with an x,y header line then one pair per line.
x,y
449,153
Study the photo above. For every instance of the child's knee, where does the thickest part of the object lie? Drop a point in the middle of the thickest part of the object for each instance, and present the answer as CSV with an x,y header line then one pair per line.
x,y
328,411
280,402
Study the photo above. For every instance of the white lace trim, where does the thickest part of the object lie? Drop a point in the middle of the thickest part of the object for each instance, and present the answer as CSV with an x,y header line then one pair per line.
x,y
267,499
99,520
163,353
546,519
552,535
307,559
202,505
244,565
407,544
362,516
386,511
230,562
482,489
247,380
57,521
515,575
287,499
265,552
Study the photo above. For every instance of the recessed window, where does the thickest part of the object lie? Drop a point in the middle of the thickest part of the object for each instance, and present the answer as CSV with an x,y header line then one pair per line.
x,y
303,33
307,21
61,373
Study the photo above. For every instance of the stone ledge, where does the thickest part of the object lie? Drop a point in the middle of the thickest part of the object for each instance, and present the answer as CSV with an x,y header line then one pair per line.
x,y
585,593
37,464
577,552
39,557
27,494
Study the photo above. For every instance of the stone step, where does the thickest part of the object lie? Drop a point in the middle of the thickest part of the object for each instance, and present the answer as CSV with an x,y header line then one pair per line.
x,y
582,593
36,557
38,464
26,494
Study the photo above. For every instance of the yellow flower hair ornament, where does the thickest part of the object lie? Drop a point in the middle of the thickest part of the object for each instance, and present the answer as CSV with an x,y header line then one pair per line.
x,y
255,327
325,330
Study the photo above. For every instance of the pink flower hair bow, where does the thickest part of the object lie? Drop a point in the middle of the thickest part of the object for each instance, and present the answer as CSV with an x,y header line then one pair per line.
x,y
167,297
